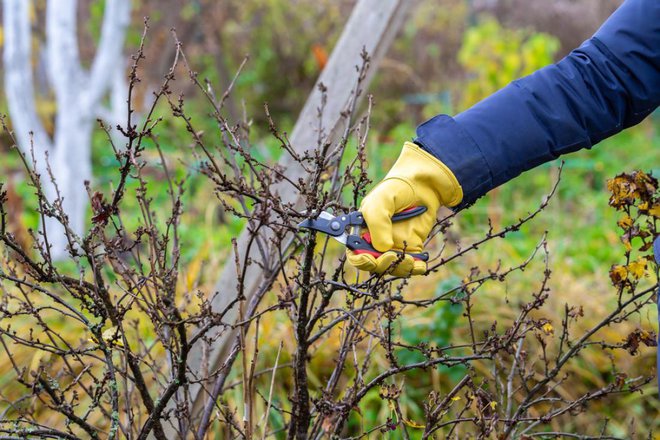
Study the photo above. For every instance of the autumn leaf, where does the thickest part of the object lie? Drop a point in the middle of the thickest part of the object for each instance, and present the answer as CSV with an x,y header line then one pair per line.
x,y
655,211
576,313
389,392
111,336
647,185
626,244
412,424
625,222
637,337
646,246
548,328
620,380
623,190
100,208
637,268
618,274
320,55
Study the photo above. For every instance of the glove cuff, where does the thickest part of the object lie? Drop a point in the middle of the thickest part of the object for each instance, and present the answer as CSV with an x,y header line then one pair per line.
x,y
430,171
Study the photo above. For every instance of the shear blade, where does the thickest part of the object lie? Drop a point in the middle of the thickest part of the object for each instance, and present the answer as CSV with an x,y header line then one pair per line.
x,y
322,224
341,238
307,224
325,215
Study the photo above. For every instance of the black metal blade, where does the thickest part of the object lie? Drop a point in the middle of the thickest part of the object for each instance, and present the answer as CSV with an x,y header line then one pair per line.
x,y
326,223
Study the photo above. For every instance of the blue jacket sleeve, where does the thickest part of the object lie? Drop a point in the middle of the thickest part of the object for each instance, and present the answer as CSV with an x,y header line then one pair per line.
x,y
609,83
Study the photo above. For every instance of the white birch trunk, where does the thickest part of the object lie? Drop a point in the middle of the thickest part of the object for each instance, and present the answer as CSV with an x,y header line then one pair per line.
x,y
78,96
118,99
19,85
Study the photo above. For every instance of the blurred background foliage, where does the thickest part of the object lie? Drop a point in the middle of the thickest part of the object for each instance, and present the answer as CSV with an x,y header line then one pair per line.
x,y
448,55
493,56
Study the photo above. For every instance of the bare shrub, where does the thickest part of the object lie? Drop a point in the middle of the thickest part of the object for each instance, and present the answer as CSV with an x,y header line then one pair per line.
x,y
99,346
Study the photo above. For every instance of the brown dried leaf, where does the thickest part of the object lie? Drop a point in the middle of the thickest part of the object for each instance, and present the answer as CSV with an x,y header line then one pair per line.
x,y
100,208
637,337
618,274
620,380
389,392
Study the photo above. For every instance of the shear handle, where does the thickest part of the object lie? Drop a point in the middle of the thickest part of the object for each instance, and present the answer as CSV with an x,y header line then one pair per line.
x,y
356,218
360,245
409,213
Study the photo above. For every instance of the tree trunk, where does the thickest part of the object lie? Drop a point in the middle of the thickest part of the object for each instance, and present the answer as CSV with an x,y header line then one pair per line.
x,y
78,96
19,88
72,165
372,27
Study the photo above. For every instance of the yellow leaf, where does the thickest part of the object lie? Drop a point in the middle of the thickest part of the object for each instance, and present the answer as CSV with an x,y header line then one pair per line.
x,y
637,268
112,335
325,176
412,424
548,329
623,190
493,404
655,211
455,398
626,222
627,245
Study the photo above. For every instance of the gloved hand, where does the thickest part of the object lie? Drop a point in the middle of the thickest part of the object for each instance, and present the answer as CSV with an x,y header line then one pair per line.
x,y
416,179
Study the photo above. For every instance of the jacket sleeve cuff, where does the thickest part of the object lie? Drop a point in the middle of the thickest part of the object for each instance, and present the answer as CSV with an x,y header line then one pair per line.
x,y
441,136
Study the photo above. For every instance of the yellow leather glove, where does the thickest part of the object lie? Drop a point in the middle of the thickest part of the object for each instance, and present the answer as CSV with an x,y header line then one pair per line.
x,y
416,179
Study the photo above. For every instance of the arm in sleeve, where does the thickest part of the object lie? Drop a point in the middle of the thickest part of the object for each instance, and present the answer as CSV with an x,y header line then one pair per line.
x,y
609,83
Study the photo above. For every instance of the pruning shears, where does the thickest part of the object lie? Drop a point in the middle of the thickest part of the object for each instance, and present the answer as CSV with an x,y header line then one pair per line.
x,y
336,226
